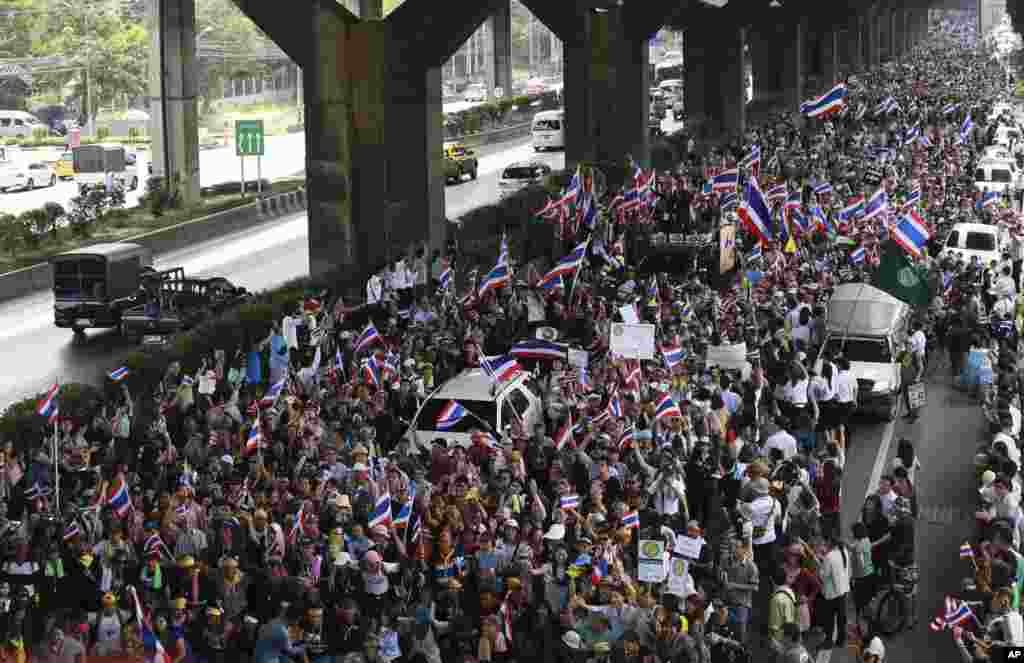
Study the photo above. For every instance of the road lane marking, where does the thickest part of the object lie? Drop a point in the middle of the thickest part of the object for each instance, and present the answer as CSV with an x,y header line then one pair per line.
x,y
876,475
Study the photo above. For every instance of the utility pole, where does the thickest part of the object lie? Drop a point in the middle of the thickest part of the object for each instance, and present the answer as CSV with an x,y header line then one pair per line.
x,y
530,40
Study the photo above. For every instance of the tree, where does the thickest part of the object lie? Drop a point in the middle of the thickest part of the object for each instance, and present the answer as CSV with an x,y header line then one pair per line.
x,y
227,43
100,39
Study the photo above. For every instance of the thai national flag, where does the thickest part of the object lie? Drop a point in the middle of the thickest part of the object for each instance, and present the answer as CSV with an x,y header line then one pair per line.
x,y
631,520
569,502
673,355
48,406
445,280
563,437
925,140
831,101
965,128
823,189
854,208
121,501
72,530
405,511
498,277
501,368
728,201
793,201
755,212
150,641
548,285
821,219
569,264
667,408
270,398
878,203
587,211
912,233
451,415
626,438
801,222
988,199
119,374
538,349
886,106
752,161
381,510
614,407
858,255
372,371
913,133
950,108
369,336
255,439
913,198
755,253
777,193
573,190
727,180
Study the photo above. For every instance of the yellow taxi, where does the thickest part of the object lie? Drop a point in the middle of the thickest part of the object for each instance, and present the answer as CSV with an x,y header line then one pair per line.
x,y
65,166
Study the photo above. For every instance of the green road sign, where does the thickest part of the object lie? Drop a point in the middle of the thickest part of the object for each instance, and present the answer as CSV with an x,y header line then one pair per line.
x,y
249,140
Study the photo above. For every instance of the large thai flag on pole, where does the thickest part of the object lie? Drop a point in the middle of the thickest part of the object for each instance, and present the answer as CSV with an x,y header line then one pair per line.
x,y
48,406
149,639
912,233
755,212
725,181
831,101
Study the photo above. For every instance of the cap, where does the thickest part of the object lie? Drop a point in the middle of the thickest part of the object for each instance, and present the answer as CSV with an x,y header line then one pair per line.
x,y
555,533
572,640
876,648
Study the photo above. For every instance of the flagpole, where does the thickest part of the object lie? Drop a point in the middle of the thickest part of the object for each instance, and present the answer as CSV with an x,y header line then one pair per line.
x,y
56,462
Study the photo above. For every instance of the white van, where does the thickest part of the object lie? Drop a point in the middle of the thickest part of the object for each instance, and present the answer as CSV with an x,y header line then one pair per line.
x,y
515,400
1005,135
18,124
997,175
549,130
976,240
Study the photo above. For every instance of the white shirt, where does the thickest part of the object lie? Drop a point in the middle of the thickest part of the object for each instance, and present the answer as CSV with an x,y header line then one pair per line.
x,y
796,393
1004,287
1012,452
782,441
764,512
820,389
835,574
918,343
845,387
374,289
400,277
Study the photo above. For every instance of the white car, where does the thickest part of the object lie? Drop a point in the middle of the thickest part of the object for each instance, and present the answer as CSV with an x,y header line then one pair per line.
x,y
996,153
488,408
26,176
522,174
475,92
976,240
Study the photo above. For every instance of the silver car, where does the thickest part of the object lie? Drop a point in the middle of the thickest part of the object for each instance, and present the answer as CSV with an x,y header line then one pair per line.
x,y
521,174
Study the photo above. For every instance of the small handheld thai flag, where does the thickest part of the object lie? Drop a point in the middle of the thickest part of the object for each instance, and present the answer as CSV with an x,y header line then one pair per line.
x,y
48,406
878,203
858,255
405,511
830,102
119,374
631,520
121,501
966,551
255,439
854,208
270,398
150,641
950,108
965,128
501,368
569,502
626,438
673,355
912,233
445,280
381,510
563,437
614,407
369,336
450,416
667,407
988,199
913,198
725,181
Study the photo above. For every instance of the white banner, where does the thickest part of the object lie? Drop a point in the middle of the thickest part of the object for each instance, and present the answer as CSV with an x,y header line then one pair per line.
x,y
632,341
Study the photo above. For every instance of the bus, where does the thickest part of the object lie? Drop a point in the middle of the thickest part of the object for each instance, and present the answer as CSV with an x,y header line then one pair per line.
x,y
670,70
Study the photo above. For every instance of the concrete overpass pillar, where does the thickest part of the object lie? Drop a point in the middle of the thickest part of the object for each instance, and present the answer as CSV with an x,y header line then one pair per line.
x,y
854,44
606,92
374,166
872,42
830,47
501,29
895,34
793,47
908,30
715,80
173,96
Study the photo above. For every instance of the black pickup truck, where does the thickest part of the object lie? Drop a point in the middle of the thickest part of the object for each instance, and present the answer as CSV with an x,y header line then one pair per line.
x,y
178,304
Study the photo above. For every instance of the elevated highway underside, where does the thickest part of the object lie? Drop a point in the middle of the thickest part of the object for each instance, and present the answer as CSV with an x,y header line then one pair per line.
x,y
372,88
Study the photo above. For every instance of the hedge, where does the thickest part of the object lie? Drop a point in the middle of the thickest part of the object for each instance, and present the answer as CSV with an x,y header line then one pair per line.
x,y
61,141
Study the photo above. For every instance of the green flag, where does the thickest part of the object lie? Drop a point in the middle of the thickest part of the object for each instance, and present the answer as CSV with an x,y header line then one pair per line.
x,y
899,276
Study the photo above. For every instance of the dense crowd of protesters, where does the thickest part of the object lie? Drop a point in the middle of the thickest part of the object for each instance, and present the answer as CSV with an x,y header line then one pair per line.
x,y
271,505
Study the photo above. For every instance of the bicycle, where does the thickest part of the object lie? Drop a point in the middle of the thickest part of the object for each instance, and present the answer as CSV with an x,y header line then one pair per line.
x,y
887,611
